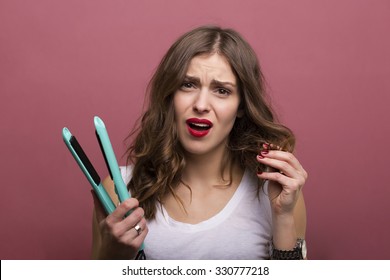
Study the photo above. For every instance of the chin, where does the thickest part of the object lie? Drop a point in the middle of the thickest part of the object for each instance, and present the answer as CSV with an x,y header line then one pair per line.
x,y
195,149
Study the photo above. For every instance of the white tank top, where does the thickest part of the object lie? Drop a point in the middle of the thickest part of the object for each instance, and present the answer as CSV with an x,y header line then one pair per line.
x,y
241,230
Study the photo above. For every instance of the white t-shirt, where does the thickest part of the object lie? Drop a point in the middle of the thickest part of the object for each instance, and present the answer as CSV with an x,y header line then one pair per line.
x,y
241,230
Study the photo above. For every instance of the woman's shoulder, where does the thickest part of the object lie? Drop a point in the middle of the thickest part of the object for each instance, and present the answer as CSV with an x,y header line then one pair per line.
x,y
126,172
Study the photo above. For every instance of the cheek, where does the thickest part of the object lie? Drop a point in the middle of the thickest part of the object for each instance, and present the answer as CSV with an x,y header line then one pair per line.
x,y
176,106
180,106
227,114
179,103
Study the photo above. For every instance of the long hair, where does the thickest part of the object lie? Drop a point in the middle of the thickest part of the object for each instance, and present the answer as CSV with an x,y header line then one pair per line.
x,y
156,153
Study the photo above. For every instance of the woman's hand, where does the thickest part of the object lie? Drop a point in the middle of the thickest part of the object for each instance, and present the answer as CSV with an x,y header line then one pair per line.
x,y
286,178
119,237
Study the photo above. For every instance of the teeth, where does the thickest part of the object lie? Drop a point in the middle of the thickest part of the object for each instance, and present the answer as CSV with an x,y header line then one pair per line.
x,y
203,125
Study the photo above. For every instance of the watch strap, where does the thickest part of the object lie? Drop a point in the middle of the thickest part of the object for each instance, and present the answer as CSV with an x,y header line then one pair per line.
x,y
294,254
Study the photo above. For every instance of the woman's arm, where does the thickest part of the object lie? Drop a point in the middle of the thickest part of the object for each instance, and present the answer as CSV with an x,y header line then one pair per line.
x,y
289,227
286,179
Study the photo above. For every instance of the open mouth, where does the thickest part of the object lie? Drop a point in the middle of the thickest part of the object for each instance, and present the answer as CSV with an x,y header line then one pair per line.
x,y
199,127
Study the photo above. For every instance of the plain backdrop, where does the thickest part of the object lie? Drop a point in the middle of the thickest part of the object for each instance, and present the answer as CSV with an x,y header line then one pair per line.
x,y
327,65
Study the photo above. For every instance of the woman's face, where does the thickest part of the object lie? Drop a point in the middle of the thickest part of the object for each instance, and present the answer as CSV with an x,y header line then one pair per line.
x,y
206,104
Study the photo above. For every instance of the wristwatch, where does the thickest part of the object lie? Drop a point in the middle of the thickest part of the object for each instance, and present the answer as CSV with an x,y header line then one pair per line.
x,y
298,253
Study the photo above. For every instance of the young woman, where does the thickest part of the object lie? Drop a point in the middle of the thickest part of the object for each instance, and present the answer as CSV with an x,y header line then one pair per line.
x,y
212,173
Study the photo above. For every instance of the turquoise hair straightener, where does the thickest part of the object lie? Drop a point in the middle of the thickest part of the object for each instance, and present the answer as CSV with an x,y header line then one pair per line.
x,y
110,159
90,172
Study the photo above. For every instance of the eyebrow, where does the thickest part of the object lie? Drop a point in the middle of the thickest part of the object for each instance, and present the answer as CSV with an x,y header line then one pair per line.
x,y
213,82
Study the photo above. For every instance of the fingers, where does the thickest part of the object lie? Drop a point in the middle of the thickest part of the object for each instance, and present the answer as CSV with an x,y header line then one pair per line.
x,y
118,224
277,177
285,162
286,177
123,231
124,208
285,168
135,235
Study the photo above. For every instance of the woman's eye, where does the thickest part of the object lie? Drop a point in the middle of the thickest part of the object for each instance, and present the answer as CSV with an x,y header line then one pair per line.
x,y
223,91
187,85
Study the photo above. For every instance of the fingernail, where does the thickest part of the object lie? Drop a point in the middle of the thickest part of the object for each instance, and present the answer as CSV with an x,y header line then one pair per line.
x,y
259,172
264,152
266,146
260,157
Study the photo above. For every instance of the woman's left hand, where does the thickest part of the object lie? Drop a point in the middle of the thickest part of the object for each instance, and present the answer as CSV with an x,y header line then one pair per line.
x,y
286,178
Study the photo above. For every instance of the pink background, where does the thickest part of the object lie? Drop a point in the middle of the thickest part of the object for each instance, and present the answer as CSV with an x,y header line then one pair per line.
x,y
62,62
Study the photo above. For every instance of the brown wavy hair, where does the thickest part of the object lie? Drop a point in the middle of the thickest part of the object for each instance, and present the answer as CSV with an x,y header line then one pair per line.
x,y
156,152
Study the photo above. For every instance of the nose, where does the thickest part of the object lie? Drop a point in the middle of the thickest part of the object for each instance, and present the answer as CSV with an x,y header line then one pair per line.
x,y
202,102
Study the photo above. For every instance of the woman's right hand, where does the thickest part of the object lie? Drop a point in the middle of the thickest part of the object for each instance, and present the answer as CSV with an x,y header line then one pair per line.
x,y
118,237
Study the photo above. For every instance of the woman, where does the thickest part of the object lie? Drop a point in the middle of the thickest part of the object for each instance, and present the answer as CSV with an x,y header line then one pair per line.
x,y
212,173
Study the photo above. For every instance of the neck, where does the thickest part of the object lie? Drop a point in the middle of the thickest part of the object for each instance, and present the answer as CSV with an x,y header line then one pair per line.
x,y
207,168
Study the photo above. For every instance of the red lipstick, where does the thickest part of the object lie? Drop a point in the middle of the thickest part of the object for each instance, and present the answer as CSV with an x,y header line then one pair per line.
x,y
198,127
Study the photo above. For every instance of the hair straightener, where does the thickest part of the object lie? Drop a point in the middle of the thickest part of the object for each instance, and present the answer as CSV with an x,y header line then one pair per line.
x,y
90,172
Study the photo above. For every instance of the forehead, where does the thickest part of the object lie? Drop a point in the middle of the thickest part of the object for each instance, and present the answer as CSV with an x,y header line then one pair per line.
x,y
214,65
